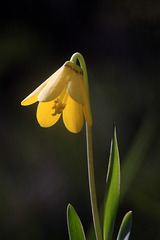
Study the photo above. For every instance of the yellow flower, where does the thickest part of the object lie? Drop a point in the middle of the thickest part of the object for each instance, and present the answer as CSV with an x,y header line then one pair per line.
x,y
64,91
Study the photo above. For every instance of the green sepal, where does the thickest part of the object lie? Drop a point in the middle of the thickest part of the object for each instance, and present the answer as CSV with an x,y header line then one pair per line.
x,y
75,227
112,189
125,228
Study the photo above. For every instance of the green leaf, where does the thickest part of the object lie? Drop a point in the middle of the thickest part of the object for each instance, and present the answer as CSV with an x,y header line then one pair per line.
x,y
112,190
125,227
75,227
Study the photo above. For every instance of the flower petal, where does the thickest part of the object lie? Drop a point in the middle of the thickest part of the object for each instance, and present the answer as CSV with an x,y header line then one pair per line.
x,y
56,85
32,98
29,100
73,116
86,106
73,86
44,114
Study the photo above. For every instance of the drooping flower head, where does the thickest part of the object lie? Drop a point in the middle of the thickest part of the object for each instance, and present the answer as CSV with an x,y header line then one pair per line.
x,y
63,92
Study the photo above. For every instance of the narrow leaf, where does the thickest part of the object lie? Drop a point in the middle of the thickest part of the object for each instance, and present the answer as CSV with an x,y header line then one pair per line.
x,y
125,227
112,190
75,227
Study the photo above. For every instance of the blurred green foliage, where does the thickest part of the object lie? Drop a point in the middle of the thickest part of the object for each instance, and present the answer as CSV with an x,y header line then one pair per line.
x,y
42,170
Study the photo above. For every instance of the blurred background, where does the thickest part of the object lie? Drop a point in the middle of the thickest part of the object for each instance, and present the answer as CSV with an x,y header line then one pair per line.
x,y
42,170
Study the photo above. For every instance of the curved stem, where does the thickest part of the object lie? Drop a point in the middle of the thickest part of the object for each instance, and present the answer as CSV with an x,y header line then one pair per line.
x,y
91,177
81,60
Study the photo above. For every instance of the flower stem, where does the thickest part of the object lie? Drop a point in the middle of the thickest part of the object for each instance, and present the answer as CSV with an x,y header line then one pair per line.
x,y
92,183
81,60
91,178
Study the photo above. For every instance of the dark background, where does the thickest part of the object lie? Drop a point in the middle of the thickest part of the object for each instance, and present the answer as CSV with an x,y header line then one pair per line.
x,y
42,170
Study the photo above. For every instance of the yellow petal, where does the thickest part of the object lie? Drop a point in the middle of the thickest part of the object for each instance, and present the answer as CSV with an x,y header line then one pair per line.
x,y
44,114
73,86
73,116
87,114
56,85
32,98
86,106
29,100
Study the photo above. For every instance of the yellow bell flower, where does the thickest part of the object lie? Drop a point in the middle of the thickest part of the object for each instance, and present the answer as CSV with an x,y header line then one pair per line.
x,y
64,91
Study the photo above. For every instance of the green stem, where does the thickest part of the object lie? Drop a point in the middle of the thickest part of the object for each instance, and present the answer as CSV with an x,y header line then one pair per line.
x,y
92,183
80,58
91,177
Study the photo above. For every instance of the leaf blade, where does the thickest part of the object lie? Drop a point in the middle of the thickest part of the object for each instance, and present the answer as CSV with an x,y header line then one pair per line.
x,y
125,228
112,190
75,227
